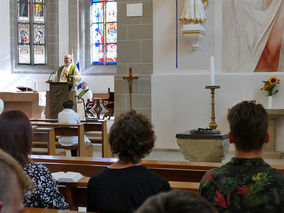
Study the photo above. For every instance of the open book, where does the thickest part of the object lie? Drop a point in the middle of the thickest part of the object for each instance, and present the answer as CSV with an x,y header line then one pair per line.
x,y
67,177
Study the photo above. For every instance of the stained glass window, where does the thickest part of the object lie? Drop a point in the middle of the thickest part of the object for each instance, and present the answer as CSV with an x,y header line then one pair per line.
x,y
104,31
31,32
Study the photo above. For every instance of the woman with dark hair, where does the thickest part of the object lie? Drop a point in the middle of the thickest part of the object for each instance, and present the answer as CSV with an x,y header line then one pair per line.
x,y
16,139
126,184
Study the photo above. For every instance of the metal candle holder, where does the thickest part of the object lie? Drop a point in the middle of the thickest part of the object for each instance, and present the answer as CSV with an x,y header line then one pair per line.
x,y
212,124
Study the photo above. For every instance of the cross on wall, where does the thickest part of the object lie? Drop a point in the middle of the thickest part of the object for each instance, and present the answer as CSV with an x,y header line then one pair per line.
x,y
130,78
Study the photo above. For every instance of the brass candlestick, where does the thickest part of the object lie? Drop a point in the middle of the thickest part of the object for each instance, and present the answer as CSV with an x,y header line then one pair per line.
x,y
212,124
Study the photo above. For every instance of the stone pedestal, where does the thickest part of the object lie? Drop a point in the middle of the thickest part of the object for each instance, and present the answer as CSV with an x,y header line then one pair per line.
x,y
203,147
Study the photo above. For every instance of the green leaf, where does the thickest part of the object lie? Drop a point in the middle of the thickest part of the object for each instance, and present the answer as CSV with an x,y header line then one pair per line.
x,y
276,91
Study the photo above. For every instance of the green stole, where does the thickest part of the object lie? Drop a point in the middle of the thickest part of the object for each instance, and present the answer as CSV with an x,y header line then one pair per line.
x,y
82,93
71,72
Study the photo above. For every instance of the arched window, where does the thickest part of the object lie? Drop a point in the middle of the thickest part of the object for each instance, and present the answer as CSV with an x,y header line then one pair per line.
x,y
104,32
31,30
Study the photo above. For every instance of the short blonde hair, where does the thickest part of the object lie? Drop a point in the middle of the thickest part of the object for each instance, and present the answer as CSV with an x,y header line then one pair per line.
x,y
10,168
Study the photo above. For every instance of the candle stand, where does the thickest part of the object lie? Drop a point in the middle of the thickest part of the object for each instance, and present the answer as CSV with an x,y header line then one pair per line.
x,y
212,124
204,145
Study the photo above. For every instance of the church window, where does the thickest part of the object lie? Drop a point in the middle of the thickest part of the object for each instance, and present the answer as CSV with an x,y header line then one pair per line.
x,y
31,30
104,32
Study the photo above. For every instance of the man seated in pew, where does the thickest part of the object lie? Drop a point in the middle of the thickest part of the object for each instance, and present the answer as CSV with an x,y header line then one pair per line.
x,y
69,116
83,95
126,184
16,139
13,183
246,183
176,201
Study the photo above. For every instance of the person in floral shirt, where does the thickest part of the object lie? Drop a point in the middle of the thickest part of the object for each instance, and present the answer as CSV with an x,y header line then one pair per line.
x,y
247,183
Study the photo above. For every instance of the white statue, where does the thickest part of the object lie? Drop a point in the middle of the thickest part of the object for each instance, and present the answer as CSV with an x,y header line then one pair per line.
x,y
193,11
193,15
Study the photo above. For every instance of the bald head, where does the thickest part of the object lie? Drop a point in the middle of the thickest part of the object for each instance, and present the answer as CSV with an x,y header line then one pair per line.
x,y
67,59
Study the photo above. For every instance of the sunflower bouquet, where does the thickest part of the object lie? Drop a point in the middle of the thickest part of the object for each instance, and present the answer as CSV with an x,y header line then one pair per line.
x,y
271,86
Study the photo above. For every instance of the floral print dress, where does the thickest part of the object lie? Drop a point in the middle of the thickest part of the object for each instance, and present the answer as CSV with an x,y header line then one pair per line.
x,y
46,194
244,185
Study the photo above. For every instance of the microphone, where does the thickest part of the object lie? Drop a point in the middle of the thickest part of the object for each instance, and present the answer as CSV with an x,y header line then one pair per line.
x,y
51,75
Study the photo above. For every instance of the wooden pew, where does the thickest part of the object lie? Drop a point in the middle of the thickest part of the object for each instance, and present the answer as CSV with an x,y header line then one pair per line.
x,y
40,210
181,175
45,135
148,163
69,130
99,125
89,126
75,193
173,171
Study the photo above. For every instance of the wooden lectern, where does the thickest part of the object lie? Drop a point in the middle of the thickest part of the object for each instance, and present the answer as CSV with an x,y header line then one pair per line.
x,y
57,94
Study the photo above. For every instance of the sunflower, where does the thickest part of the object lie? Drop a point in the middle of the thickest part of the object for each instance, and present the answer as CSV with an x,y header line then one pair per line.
x,y
265,86
273,80
271,86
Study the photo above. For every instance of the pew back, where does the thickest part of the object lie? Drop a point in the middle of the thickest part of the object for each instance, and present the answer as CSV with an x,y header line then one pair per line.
x,y
46,135
181,175
90,125
68,130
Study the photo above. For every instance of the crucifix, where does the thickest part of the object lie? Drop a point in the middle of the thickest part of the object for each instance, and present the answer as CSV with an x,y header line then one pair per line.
x,y
130,78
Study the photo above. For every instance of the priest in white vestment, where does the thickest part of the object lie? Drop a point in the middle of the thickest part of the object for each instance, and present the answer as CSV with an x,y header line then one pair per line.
x,y
68,73
83,95
250,29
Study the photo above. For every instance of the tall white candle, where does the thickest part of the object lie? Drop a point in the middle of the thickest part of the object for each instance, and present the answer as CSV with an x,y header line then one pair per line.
x,y
212,72
35,86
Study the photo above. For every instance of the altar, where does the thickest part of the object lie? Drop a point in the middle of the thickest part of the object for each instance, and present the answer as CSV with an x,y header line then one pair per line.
x,y
275,147
28,102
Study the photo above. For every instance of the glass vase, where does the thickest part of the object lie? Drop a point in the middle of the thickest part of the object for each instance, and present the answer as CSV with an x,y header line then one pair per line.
x,y
270,102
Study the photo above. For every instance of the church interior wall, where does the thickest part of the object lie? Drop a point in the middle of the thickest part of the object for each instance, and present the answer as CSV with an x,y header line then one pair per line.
x,y
9,80
135,50
180,101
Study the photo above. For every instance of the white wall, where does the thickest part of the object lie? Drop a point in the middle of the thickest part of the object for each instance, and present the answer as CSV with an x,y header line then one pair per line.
x,y
63,29
10,81
179,99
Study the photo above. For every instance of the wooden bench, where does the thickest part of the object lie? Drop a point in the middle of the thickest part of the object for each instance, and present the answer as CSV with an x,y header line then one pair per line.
x,y
46,136
76,193
171,170
40,210
84,149
90,125
181,175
